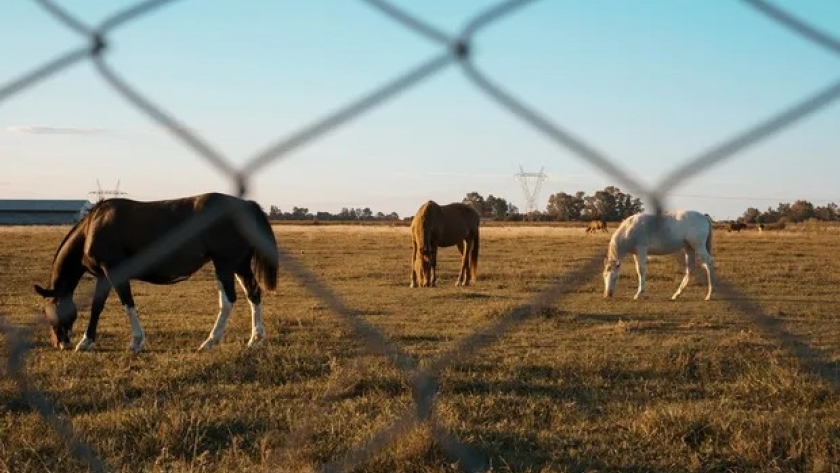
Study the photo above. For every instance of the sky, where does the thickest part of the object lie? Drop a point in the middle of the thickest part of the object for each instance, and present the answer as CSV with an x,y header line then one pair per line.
x,y
648,84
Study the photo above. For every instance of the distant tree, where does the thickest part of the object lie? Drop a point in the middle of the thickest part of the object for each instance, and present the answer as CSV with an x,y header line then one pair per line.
x,y
771,216
827,212
364,214
611,204
800,211
498,208
476,201
751,215
300,213
565,207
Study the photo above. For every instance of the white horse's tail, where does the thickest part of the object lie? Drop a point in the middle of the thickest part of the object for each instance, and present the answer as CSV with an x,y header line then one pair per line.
x,y
711,229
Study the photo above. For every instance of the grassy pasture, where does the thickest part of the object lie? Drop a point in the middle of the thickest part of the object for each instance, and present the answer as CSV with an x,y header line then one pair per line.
x,y
581,385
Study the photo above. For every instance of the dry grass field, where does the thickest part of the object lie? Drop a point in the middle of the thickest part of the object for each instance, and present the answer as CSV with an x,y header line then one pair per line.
x,y
580,385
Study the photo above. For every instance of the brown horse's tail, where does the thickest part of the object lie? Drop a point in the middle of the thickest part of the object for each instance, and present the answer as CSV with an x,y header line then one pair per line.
x,y
474,255
265,259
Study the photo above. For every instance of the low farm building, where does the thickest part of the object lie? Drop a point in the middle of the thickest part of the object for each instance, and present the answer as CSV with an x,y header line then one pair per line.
x,y
42,212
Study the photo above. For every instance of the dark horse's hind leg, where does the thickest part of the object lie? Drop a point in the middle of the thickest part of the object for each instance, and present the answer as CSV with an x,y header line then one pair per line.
x,y
245,276
227,296
138,338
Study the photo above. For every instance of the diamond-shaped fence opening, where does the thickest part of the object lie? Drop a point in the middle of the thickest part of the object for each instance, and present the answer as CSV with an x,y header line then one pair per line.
x,y
454,49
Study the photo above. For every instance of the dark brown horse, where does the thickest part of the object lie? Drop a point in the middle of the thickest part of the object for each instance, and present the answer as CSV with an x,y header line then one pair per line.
x,y
736,226
436,226
118,230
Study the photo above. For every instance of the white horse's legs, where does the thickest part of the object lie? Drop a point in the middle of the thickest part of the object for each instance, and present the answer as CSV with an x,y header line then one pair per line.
x,y
218,331
689,268
257,329
641,269
138,338
709,266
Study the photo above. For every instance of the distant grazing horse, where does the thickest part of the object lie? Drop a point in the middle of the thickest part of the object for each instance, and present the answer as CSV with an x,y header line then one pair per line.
x,y
640,236
771,226
736,227
596,226
437,226
115,230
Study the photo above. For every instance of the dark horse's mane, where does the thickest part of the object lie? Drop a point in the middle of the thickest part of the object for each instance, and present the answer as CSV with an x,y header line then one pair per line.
x,y
75,227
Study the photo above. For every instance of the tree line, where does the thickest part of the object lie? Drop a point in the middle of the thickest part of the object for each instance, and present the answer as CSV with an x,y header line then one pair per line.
x,y
798,211
610,204
303,213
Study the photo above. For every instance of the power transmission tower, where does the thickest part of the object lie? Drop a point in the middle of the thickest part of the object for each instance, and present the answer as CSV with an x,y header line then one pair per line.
x,y
101,194
531,184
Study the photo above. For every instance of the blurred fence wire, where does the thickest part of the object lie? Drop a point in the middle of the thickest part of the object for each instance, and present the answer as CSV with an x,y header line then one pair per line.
x,y
454,50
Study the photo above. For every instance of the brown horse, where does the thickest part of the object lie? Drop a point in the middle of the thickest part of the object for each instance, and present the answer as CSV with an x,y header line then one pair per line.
x,y
436,226
118,230
597,225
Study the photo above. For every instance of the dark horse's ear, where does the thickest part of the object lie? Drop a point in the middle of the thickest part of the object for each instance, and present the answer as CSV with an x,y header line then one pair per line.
x,y
44,292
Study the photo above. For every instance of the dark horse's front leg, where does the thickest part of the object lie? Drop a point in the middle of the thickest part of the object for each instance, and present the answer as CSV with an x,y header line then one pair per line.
x,y
100,295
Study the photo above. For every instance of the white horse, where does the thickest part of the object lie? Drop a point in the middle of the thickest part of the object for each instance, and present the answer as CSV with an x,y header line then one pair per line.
x,y
641,235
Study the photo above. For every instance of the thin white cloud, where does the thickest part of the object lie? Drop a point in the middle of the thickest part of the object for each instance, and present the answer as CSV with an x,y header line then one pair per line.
x,y
163,130
54,130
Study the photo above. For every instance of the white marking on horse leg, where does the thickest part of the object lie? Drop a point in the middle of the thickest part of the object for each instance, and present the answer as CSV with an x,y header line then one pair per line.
x,y
84,344
641,262
138,338
257,329
218,330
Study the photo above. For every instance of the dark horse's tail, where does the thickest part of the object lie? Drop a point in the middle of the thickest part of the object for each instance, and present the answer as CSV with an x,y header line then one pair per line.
x,y
474,255
265,263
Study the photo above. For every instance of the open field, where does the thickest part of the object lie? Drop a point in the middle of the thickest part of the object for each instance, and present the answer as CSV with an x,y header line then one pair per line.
x,y
583,384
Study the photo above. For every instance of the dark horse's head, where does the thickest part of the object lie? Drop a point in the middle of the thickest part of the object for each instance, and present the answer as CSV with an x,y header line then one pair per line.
x,y
61,313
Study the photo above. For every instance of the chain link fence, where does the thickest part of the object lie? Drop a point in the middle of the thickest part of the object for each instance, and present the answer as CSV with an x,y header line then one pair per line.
x,y
454,49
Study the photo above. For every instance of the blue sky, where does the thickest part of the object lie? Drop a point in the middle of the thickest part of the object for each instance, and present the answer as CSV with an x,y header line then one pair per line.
x,y
647,83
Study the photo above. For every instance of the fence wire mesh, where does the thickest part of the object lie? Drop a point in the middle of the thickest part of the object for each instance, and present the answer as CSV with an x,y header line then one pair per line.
x,y
455,50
